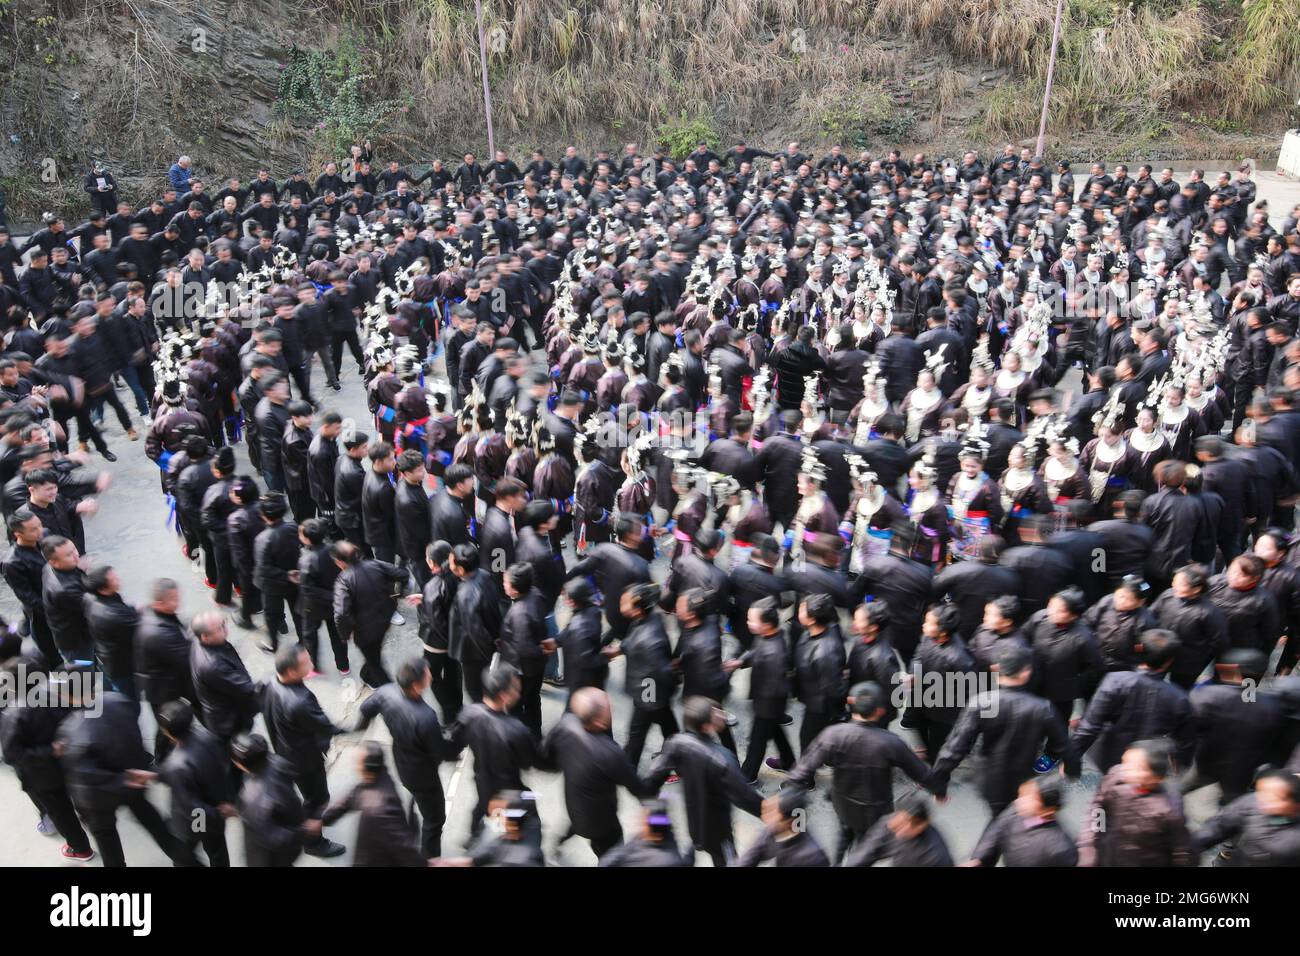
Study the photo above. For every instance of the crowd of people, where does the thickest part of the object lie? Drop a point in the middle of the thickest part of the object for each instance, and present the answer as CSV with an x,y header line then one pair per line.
x,y
846,425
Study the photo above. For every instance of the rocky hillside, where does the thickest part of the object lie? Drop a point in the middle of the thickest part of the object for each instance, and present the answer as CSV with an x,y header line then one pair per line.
x,y
135,82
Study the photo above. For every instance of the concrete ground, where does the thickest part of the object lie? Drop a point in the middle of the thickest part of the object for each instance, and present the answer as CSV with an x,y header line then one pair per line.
x,y
130,533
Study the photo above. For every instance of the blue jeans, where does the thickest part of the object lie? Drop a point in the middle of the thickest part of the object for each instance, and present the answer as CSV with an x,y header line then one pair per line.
x,y
131,375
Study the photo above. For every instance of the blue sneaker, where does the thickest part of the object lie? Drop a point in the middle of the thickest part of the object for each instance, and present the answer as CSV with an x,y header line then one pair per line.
x,y
1045,764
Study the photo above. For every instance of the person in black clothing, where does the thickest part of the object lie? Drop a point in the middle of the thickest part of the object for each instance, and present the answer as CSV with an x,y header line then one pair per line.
x,y
785,840
581,746
1027,832
863,754
365,597
27,741
649,677
819,665
769,662
419,745
112,625
275,827
525,642
435,604
197,773
23,568
295,461
243,524
654,845
502,746
275,559
162,656
906,838
711,779
384,836
300,733
105,765
314,578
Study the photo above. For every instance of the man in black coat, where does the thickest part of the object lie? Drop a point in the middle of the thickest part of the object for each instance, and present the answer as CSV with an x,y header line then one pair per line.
x,y
972,584
112,624
419,745
754,580
476,616
1026,833
275,827
300,733
904,583
63,585
197,771
1042,571
23,569
271,416
711,779
27,736
365,598
104,763
228,696
614,567
1237,727
378,510
1137,705
863,754
1012,724
275,564
901,358
322,454
581,747
162,656
451,508
777,467
349,483
502,746
886,454
412,516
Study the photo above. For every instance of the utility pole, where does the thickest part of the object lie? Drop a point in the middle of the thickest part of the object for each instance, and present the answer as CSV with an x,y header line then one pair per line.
x,y
1051,69
487,92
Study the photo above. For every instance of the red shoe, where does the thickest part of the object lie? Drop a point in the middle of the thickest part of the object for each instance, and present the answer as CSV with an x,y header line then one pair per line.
x,y
238,592
70,854
185,550
211,584
672,778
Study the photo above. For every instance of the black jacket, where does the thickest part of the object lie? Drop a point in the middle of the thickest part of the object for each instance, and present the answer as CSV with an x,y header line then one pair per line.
x,y
1201,628
502,747
198,773
972,584
711,784
419,744
450,522
112,624
228,696
863,758
162,659
614,569
379,512
581,642
272,816
275,554
349,479
925,849
1131,706
593,767
1012,724
296,726
365,596
384,835
1067,662
411,516
98,749
1235,733
819,671
523,629
476,616
648,677
1253,619
322,453
62,593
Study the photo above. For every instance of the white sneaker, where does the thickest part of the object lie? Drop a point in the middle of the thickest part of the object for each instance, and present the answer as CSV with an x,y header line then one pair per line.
x,y
397,619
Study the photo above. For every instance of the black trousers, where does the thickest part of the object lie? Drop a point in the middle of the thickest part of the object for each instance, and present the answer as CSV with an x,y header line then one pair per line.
x,y
224,565
103,827
314,789
813,723
276,608
529,707
42,635
86,430
432,804
212,839
302,378
446,685
472,671
763,731
933,733
640,725
337,340
312,618
301,504
109,397
721,852
372,670
54,802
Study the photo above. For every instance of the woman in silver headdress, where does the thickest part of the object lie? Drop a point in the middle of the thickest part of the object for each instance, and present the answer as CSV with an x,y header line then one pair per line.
x,y
1152,448
974,502
922,407
1181,424
1021,492
928,512
1109,462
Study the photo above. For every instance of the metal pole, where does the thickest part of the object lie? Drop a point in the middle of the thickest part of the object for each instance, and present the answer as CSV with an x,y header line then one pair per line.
x,y
487,93
1051,69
